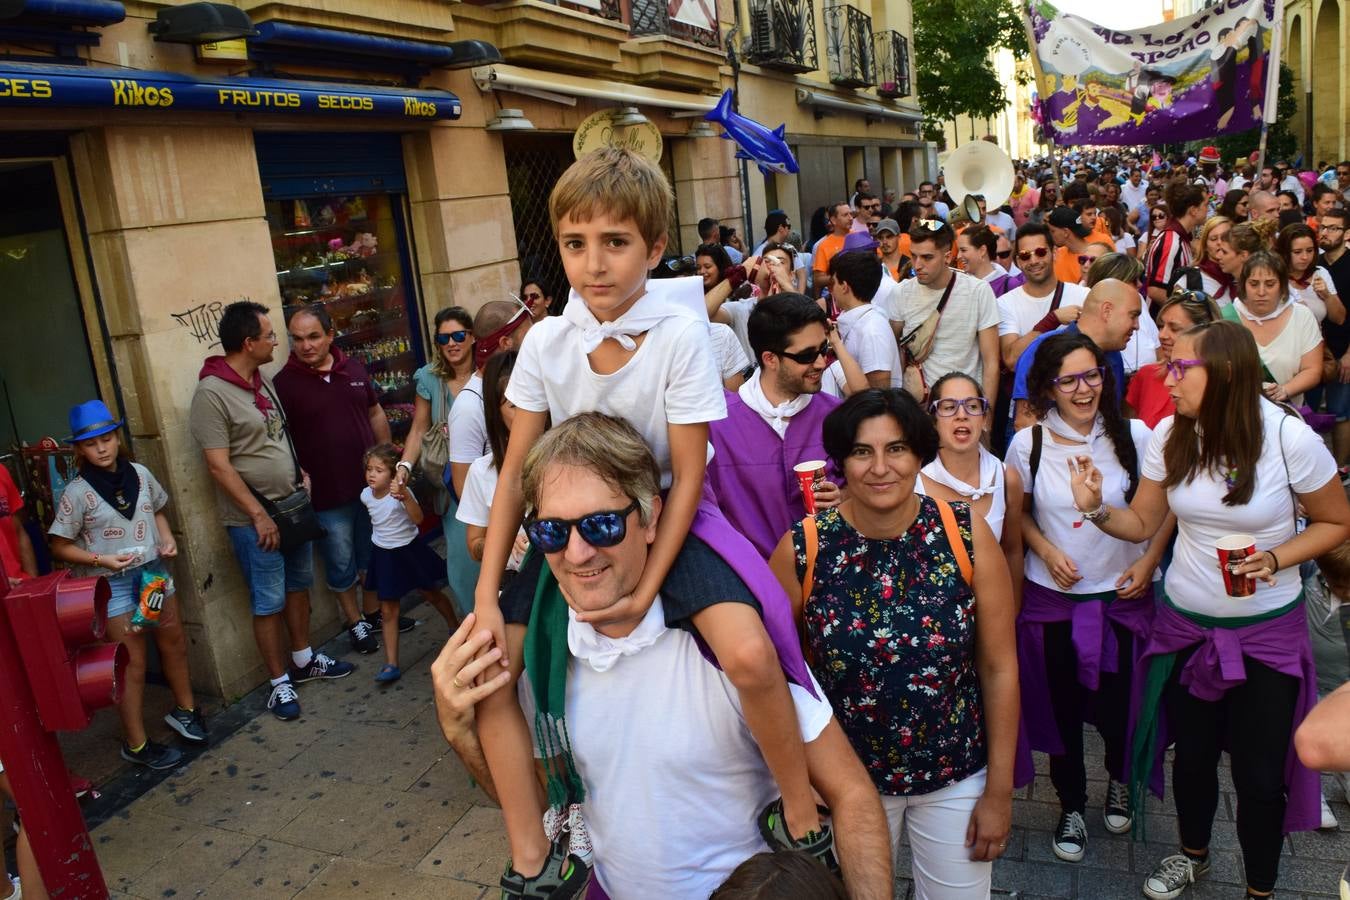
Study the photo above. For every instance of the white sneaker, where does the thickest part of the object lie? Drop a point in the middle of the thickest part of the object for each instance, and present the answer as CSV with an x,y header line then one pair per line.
x,y
1070,840
1173,875
1329,822
1116,813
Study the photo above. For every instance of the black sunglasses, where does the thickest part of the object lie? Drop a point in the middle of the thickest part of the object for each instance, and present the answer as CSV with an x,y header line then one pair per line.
x,y
445,337
808,356
599,529
1003,254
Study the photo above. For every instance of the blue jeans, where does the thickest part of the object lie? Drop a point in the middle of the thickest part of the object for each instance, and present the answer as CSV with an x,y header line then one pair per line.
x,y
270,574
346,547
1338,400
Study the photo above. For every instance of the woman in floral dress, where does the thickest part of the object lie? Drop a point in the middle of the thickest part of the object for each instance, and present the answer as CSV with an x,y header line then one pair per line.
x,y
906,614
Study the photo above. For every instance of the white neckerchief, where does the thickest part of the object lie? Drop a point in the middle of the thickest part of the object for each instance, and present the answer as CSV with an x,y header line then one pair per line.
x,y
996,272
1253,317
1056,425
989,482
662,299
752,395
849,318
600,652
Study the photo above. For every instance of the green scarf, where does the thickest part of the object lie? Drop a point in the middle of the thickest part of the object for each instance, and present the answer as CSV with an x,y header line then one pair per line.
x,y
546,658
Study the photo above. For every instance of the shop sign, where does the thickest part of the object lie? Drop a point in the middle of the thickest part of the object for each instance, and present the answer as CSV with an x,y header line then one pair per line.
x,y
36,87
599,131
223,51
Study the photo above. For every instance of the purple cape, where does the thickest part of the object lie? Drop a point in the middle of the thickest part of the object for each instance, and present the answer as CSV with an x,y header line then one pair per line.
x,y
1093,642
1281,643
751,470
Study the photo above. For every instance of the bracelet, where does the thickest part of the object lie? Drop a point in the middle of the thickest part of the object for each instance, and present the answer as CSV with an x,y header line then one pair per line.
x,y
1098,515
403,464
95,562
1276,560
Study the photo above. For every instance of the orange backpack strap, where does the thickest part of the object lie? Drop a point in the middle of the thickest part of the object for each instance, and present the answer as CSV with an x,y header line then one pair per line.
x,y
955,541
811,544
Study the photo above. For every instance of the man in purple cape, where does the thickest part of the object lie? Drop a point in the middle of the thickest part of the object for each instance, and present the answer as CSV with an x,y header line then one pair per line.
x,y
773,423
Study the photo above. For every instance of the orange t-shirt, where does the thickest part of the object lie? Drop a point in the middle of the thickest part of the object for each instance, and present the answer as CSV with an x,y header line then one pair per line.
x,y
829,245
1067,266
1312,223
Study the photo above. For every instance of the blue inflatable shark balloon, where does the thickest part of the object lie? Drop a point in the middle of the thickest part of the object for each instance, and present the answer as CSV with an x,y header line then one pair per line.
x,y
765,148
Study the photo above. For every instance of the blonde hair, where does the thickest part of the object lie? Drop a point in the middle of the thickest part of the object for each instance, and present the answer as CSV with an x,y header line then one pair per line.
x,y
607,446
1335,567
1213,222
616,182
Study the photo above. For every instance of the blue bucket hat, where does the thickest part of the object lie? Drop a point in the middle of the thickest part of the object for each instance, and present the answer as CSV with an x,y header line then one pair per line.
x,y
89,420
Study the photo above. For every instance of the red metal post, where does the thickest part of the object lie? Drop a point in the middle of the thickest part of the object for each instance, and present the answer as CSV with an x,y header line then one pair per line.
x,y
32,758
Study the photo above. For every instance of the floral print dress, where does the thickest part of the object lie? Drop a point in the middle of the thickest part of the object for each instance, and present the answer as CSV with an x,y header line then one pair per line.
x,y
890,625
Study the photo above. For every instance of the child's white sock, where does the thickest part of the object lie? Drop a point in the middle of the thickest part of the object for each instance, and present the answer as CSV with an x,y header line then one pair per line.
x,y
278,680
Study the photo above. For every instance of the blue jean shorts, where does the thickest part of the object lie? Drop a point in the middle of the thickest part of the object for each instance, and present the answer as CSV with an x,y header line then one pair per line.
x,y
270,573
346,547
1338,400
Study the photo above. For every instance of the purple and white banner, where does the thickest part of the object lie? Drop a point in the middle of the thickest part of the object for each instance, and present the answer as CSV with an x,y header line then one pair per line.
x,y
1188,79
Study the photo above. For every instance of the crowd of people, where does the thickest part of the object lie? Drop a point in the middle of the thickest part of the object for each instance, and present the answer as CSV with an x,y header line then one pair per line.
x,y
863,520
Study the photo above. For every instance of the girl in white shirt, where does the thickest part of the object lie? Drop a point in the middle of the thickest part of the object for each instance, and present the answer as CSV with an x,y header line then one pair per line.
x,y
399,561
1087,602
1223,671
480,486
1309,283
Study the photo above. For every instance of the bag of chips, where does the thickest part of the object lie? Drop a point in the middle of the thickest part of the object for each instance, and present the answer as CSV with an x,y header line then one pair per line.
x,y
154,585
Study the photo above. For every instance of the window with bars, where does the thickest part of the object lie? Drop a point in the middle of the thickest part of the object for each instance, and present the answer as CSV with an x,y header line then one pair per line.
x,y
848,37
892,64
688,20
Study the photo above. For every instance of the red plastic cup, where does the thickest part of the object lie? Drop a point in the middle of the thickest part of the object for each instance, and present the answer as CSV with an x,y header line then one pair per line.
x,y
810,474
1232,550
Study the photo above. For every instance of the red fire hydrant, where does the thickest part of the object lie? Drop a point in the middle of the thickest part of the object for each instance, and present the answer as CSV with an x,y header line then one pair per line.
x,y
55,672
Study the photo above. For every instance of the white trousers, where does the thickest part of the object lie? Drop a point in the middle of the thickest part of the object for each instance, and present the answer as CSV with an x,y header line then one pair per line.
x,y
936,825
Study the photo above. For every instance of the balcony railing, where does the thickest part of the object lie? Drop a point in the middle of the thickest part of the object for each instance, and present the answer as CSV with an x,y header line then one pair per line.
x,y
605,9
782,35
687,20
848,39
892,60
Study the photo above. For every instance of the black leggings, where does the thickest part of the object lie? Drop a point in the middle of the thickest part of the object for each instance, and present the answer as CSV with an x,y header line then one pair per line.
x,y
1254,722
1071,701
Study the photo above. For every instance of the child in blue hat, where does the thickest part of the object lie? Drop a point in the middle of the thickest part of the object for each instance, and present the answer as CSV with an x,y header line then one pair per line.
x,y
110,521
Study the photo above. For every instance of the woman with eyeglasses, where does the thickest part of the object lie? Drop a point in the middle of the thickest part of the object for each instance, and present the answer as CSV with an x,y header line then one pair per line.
x,y
437,384
1147,398
1287,335
538,298
1234,205
1157,221
1228,664
1047,200
1209,258
1309,283
906,611
1086,601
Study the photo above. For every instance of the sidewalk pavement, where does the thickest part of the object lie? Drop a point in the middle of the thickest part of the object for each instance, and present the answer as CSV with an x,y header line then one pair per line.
x,y
362,798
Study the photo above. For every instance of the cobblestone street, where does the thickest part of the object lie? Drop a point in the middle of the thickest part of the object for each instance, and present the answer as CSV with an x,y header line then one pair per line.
x,y
361,799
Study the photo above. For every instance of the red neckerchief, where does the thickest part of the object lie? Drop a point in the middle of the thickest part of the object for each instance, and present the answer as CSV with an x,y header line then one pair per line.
x,y
484,347
1302,283
217,366
294,364
1211,268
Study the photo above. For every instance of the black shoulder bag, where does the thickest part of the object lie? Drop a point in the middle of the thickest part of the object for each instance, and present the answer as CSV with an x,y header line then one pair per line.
x,y
293,514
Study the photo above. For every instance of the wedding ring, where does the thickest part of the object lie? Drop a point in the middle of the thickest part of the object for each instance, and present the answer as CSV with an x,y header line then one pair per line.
x,y
455,681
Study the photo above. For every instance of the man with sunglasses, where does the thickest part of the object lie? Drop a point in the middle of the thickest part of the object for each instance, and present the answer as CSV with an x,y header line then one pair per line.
x,y
928,197
654,732
774,421
1331,236
868,212
498,326
1040,305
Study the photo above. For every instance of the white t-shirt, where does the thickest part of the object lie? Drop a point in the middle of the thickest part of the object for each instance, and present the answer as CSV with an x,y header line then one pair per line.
x,y
867,334
1125,243
671,379
1193,581
390,525
480,486
1132,195
1282,355
1018,312
467,427
1100,559
1142,348
1308,297
956,346
731,356
739,312
674,780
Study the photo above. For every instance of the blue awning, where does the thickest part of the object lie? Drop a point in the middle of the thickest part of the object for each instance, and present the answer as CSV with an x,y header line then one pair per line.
x,y
35,86
81,12
331,40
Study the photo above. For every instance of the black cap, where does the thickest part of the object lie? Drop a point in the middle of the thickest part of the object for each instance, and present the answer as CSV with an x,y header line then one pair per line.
x,y
1065,217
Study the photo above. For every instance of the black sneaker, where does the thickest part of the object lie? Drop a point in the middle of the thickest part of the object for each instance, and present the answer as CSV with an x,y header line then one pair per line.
x,y
363,641
376,620
153,756
189,724
1173,875
564,877
1116,814
820,844
320,666
1070,841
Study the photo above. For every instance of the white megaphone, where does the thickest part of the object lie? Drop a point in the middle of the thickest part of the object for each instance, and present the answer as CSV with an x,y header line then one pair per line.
x,y
978,168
